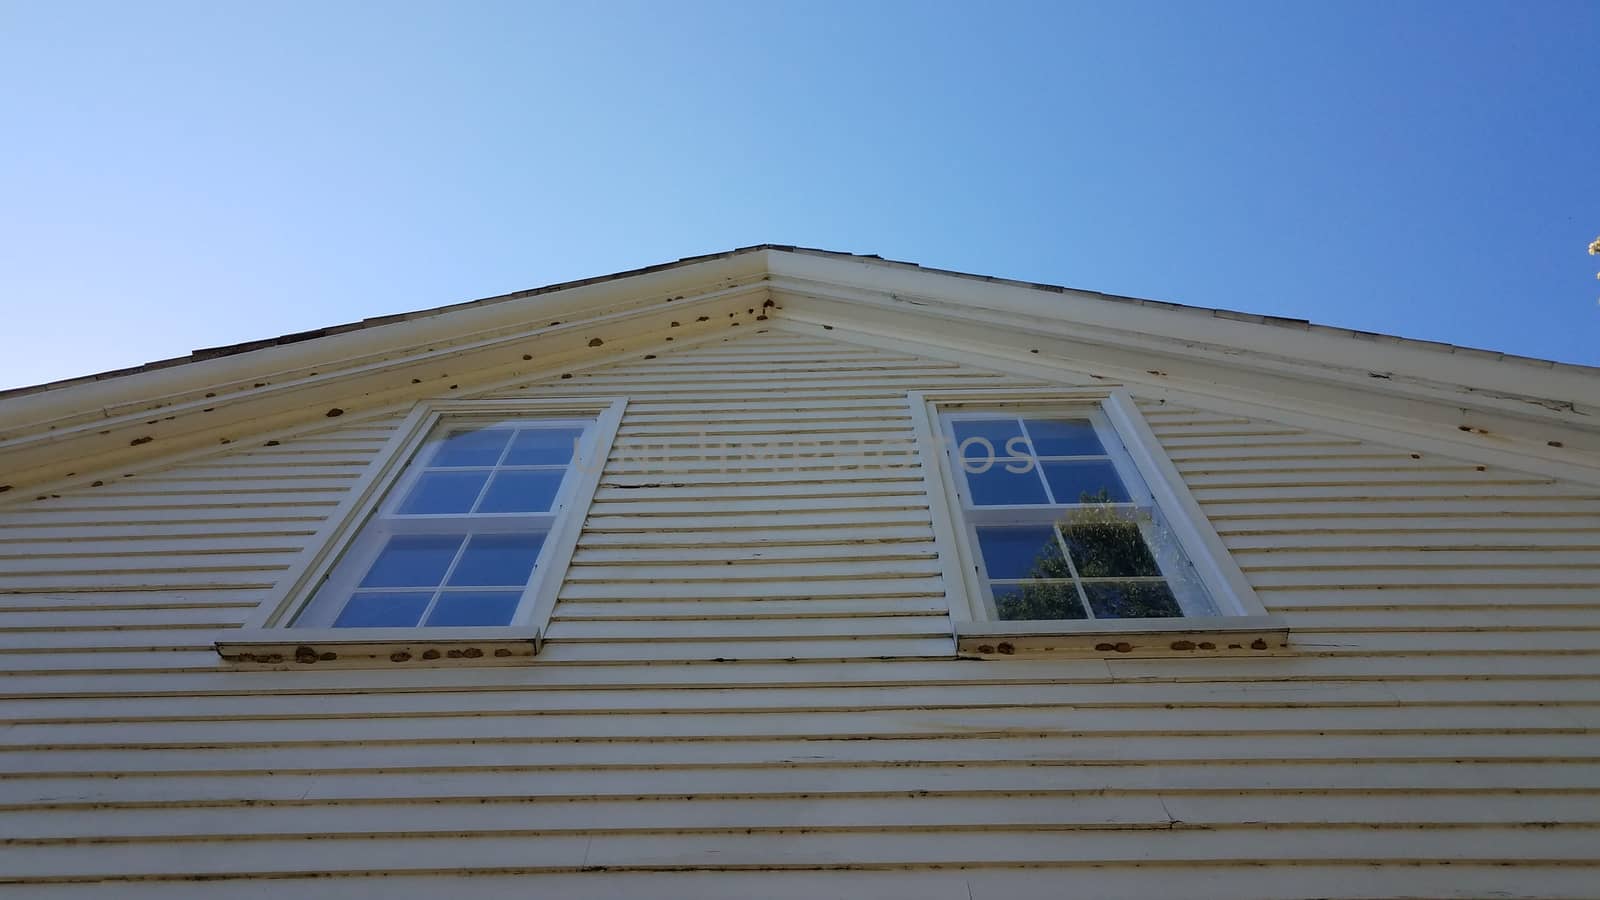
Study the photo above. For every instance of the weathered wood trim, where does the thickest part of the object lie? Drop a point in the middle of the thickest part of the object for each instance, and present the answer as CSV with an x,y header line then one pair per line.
x,y
1478,378
960,586
1133,639
1185,517
562,541
1542,412
300,647
569,306
43,453
1564,448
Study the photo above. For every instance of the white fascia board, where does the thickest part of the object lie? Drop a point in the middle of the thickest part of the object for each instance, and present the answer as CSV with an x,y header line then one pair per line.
x,y
1023,336
1383,417
47,456
1006,341
1477,376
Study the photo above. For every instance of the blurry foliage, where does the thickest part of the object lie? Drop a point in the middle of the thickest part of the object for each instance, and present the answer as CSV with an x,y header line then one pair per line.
x,y
1104,544
1039,600
1594,250
1133,600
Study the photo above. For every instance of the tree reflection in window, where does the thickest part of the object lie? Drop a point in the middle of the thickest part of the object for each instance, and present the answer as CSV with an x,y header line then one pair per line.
x,y
1094,560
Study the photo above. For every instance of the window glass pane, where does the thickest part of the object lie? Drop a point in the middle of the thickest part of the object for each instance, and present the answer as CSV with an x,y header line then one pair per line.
x,y
522,491
998,487
504,560
1026,552
1037,600
479,447
438,493
1064,437
543,447
413,560
1086,481
1109,550
1131,599
474,608
989,439
383,609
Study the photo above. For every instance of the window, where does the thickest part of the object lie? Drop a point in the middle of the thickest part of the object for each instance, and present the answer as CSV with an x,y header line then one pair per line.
x,y
1061,515
452,545
1062,522
457,541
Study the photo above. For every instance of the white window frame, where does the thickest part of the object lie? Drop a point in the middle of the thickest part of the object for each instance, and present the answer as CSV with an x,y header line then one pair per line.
x,y
270,635
386,521
1140,509
1239,622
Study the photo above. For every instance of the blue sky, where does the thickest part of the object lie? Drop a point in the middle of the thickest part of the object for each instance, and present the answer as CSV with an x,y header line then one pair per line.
x,y
175,175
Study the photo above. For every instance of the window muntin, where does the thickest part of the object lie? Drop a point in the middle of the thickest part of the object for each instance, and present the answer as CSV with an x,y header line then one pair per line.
x,y
458,539
1062,524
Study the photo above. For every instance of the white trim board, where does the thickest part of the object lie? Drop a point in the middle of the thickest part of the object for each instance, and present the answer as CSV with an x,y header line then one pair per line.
x,y
911,289
1544,413
570,305
1406,425
1030,335
38,453
1574,428
220,440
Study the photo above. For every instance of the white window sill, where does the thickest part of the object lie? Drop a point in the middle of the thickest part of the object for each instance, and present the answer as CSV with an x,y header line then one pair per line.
x,y
368,647
1127,638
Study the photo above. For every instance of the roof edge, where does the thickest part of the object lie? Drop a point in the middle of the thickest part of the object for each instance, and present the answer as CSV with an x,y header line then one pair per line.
x,y
208,353
1299,325
1302,325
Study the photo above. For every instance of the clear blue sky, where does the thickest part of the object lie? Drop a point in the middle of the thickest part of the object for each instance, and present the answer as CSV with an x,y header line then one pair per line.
x,y
175,176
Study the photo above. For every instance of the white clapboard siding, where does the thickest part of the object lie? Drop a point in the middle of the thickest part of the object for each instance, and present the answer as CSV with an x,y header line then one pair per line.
x,y
217,531
1376,551
749,685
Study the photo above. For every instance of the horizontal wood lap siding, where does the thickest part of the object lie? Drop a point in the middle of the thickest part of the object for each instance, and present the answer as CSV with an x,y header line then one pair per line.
x,y
764,500
161,559
1372,548
1433,735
